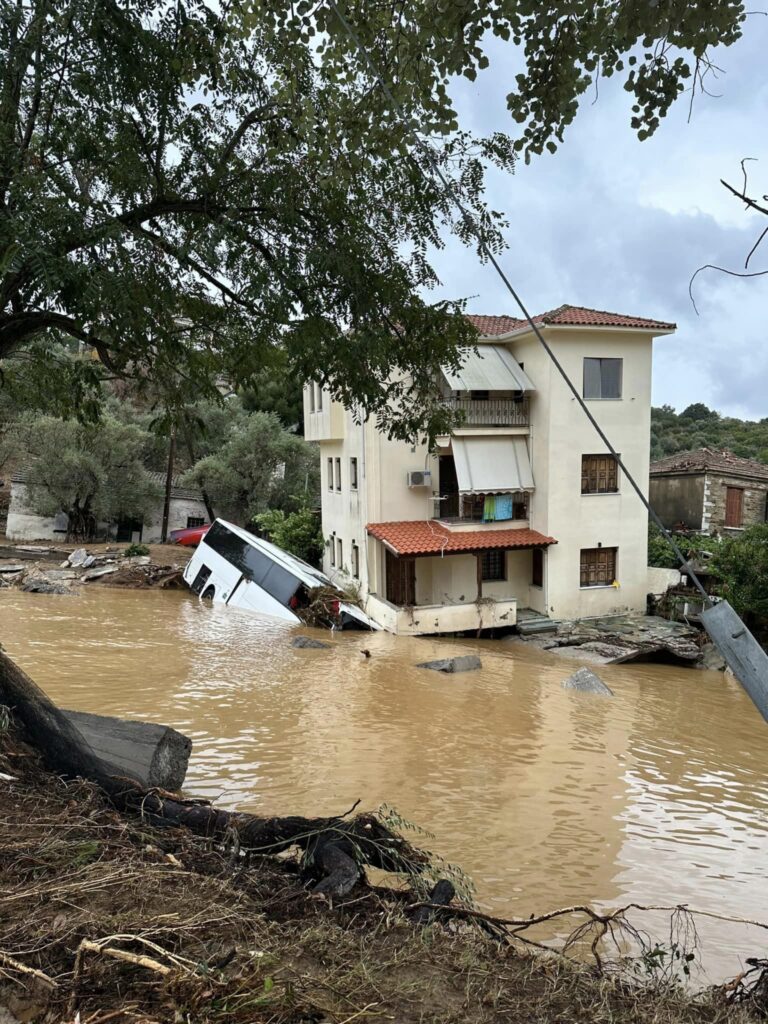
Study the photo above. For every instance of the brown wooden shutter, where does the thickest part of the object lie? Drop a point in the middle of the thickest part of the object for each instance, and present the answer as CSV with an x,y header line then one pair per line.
x,y
734,504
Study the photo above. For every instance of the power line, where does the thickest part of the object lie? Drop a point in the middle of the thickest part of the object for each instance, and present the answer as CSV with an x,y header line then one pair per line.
x,y
471,223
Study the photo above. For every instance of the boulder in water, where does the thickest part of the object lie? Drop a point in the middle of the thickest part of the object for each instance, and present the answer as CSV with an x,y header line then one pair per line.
x,y
309,642
585,681
465,663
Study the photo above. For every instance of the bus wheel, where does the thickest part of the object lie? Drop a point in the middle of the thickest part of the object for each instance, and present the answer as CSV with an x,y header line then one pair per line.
x,y
207,594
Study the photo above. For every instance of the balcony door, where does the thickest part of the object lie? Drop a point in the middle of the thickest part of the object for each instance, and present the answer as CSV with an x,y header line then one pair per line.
x,y
401,580
449,488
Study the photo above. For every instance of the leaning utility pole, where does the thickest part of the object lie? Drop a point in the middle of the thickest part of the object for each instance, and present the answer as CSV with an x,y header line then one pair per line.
x,y
168,484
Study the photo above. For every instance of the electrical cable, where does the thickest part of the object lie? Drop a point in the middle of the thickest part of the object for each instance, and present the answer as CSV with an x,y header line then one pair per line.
x,y
471,223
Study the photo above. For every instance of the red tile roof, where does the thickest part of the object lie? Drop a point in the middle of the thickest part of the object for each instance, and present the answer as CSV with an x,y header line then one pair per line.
x,y
427,537
566,316
710,459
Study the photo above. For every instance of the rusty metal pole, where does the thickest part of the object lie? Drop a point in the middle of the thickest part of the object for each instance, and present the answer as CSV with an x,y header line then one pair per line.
x,y
168,485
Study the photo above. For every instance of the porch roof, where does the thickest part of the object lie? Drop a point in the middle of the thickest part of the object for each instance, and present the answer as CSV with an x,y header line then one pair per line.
x,y
427,537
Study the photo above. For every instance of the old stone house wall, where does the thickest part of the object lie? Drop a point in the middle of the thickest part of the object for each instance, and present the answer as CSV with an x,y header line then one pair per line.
x,y
755,496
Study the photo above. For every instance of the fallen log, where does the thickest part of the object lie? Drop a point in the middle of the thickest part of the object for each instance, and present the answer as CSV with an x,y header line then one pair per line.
x,y
155,755
64,750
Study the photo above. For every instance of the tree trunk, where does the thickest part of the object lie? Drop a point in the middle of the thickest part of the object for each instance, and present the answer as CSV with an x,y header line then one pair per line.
x,y
65,751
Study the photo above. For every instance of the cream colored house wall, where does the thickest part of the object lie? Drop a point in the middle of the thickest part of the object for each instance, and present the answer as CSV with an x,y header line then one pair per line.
x,y
559,435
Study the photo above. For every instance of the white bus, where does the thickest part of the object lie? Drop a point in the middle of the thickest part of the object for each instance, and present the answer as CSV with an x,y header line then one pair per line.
x,y
232,567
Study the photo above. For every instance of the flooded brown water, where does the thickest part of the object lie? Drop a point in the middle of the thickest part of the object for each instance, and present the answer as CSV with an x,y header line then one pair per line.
x,y
545,797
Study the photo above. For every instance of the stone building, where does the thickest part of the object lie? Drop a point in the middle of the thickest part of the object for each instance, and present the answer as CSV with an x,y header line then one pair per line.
x,y
709,491
187,508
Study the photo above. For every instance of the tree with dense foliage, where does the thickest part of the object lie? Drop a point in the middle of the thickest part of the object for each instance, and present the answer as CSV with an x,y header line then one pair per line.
x,y
741,566
262,466
93,472
700,427
298,532
184,186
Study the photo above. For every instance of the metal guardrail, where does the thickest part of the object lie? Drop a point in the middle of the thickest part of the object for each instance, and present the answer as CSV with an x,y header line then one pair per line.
x,y
490,412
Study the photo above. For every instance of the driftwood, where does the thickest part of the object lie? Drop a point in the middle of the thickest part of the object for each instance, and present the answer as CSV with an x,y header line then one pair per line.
x,y
335,845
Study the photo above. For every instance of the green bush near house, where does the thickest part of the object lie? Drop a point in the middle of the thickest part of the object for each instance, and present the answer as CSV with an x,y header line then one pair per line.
x,y
136,550
741,567
660,551
295,532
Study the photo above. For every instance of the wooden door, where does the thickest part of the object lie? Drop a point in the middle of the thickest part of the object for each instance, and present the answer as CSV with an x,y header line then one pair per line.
x,y
401,580
734,506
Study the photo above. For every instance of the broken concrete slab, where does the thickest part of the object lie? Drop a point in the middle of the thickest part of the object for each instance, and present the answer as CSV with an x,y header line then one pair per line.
x,y
94,574
9,567
78,556
155,755
309,642
585,681
464,663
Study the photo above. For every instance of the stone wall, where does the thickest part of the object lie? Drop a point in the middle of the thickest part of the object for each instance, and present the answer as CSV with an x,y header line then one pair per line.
x,y
754,502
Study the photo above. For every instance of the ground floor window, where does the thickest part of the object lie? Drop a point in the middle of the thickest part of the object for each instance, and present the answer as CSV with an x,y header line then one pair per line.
x,y
400,580
193,521
339,553
332,550
598,567
537,567
494,565
356,561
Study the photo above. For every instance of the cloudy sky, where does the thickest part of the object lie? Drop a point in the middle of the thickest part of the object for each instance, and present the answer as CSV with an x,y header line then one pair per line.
x,y
617,224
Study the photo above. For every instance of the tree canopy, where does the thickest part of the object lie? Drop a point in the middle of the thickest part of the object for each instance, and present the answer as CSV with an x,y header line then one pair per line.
x,y
186,185
700,427
92,472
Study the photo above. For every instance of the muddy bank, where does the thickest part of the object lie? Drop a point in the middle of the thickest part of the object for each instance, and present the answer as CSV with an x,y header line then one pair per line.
x,y
106,917
62,570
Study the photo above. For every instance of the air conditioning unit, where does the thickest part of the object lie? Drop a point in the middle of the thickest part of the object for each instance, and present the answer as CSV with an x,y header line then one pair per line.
x,y
420,478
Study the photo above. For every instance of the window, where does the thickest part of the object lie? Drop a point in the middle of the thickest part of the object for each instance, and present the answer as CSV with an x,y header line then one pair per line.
x,y
494,565
253,563
311,397
193,521
734,506
599,474
319,397
332,548
355,561
479,395
598,567
338,474
353,474
339,553
602,378
330,474
537,567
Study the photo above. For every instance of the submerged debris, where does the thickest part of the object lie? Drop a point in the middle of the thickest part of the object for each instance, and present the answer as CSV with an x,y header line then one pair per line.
x,y
585,681
463,663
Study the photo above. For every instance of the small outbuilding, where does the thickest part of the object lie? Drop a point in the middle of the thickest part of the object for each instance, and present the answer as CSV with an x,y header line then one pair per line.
x,y
187,509
709,491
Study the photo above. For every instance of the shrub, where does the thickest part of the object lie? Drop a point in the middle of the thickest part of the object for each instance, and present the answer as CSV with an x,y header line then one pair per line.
x,y
135,550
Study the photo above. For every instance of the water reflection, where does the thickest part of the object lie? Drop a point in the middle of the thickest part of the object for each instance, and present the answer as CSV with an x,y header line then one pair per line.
x,y
544,796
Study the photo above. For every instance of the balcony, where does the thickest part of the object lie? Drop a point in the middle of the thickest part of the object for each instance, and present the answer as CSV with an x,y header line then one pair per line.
x,y
432,619
490,412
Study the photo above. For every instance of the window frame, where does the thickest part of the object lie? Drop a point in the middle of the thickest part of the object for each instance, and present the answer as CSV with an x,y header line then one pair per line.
x,y
311,390
332,548
600,360
339,553
193,522
488,559
330,472
337,462
355,561
353,473
610,555
612,475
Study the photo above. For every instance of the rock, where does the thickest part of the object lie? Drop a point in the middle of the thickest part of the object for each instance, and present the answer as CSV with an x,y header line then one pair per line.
x,y
711,659
465,663
309,642
88,562
42,586
78,556
12,567
585,681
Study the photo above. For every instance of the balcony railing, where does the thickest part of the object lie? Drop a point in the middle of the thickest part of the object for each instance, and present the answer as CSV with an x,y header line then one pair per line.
x,y
490,412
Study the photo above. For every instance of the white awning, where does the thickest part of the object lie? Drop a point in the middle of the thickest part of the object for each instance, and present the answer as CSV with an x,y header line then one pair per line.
x,y
492,465
488,368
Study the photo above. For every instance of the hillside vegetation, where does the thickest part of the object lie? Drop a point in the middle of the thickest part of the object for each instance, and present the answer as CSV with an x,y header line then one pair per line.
x,y
700,427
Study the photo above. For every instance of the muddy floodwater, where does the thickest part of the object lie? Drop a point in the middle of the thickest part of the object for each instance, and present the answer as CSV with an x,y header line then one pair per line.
x,y
545,797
